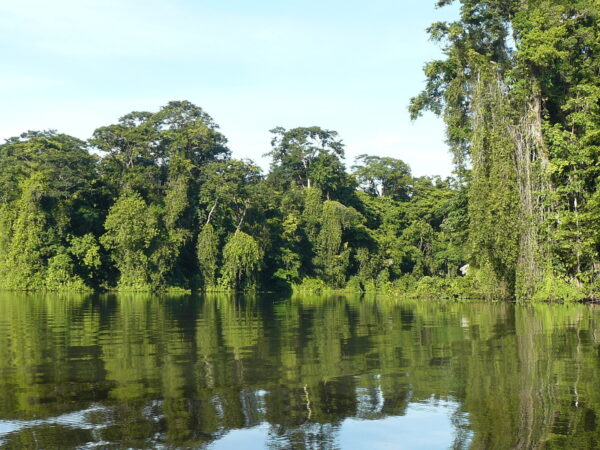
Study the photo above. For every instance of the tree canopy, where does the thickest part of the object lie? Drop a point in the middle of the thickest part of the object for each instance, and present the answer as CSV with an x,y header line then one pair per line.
x,y
155,201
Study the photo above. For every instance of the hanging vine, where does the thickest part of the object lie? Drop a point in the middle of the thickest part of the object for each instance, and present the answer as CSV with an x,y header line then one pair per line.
x,y
242,258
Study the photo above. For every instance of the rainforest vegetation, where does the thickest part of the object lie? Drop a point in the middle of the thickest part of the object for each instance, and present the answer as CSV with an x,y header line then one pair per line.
x,y
156,202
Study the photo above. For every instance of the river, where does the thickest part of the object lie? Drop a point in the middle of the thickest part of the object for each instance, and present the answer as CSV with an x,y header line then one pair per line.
x,y
232,372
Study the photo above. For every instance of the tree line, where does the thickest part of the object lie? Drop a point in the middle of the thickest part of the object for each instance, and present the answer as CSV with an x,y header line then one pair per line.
x,y
156,202
160,203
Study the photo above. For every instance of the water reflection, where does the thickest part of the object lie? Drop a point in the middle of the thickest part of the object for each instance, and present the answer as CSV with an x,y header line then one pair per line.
x,y
230,372
391,432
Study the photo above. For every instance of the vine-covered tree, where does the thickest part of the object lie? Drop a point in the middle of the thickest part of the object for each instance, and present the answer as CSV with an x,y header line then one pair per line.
x,y
241,261
208,255
518,90
131,230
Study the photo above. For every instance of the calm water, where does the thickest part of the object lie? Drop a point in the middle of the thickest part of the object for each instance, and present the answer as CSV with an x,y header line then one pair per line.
x,y
229,373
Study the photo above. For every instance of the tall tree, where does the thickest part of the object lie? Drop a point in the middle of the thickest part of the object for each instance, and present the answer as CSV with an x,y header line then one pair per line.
x,y
297,152
516,89
383,176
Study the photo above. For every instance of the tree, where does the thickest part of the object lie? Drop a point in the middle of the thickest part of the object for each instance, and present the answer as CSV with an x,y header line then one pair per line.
x,y
229,189
513,87
23,266
47,191
70,169
188,131
332,253
133,151
383,176
241,261
131,228
208,255
140,147
297,152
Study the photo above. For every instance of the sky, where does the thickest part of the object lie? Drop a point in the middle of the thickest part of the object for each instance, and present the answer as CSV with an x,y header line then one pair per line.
x,y
344,65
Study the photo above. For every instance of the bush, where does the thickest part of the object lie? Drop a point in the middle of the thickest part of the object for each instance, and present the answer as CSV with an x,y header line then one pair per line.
x,y
556,288
60,275
310,285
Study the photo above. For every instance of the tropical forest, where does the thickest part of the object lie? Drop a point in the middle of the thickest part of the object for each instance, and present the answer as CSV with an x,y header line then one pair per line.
x,y
270,250
155,202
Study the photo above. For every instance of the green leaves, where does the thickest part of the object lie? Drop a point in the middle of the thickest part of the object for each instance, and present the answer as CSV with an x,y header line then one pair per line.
x,y
142,144
131,228
208,255
518,90
241,261
332,255
309,157
383,176
166,206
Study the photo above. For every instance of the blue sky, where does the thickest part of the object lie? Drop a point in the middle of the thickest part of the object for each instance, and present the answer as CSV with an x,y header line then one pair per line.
x,y
350,66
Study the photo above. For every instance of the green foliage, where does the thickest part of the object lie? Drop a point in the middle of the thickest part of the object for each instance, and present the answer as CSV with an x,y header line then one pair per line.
x,y
494,232
131,228
47,180
310,285
523,113
67,165
309,157
332,256
369,266
139,144
242,258
228,191
129,219
87,252
556,288
61,275
433,288
311,214
383,176
208,255
166,208
23,265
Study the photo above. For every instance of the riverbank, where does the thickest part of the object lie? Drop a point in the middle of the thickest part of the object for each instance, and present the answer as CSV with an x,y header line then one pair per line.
x,y
470,287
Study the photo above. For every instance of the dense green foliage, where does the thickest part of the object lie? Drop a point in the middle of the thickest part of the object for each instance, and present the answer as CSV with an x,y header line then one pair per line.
x,y
520,93
165,206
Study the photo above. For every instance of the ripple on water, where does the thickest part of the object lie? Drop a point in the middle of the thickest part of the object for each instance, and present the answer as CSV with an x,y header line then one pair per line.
x,y
93,418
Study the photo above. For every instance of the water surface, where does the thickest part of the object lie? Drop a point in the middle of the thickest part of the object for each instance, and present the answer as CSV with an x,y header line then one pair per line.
x,y
225,372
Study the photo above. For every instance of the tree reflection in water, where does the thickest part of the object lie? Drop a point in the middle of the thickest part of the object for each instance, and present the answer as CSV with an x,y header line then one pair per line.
x,y
142,371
